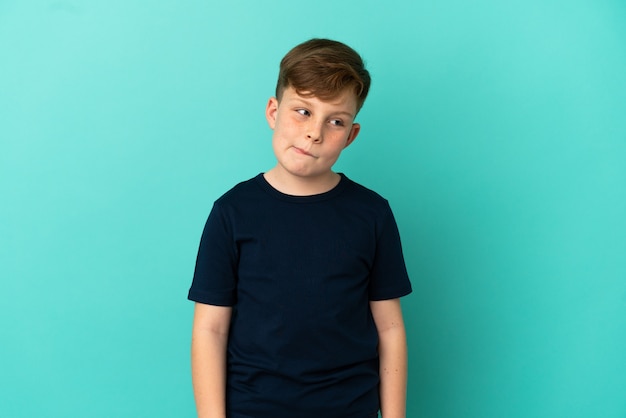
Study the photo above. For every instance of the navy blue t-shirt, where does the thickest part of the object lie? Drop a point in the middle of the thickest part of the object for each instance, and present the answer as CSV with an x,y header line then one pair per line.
x,y
299,272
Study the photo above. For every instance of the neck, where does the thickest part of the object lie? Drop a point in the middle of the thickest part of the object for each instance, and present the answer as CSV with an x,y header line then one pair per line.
x,y
301,186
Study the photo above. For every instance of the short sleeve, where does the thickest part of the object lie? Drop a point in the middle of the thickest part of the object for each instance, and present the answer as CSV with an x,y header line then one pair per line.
x,y
215,278
388,277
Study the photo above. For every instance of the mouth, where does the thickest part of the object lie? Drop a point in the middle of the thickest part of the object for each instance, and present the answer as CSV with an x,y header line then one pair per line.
x,y
303,152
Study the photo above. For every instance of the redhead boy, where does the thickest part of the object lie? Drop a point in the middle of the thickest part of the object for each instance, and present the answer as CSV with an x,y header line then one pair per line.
x,y
300,270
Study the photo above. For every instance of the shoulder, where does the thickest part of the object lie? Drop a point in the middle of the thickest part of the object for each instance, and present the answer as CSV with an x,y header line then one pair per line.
x,y
242,193
364,196
362,190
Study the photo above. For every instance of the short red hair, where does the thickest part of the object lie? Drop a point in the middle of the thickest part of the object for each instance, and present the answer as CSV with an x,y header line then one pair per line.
x,y
323,68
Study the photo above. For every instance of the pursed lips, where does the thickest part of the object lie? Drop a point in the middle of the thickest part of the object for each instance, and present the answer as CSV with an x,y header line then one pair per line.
x,y
303,152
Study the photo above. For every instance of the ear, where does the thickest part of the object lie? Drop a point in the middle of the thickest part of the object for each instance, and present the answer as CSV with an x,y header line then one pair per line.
x,y
356,128
270,112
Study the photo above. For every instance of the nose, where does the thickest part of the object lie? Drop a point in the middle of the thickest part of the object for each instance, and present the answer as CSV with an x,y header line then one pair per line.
x,y
314,132
314,138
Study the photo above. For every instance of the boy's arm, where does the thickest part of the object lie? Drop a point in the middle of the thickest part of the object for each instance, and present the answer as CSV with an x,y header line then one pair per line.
x,y
208,359
392,351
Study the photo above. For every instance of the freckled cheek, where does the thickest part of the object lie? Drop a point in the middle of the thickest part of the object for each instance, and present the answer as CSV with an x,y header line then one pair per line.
x,y
286,130
284,138
337,140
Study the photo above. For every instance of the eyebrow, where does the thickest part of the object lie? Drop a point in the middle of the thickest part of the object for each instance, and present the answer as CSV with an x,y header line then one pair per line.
x,y
339,112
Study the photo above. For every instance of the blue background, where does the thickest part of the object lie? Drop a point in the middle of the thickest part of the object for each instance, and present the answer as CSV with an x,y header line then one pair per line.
x,y
496,129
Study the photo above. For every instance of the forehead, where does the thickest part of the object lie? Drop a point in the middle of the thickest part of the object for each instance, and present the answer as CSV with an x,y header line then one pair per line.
x,y
345,101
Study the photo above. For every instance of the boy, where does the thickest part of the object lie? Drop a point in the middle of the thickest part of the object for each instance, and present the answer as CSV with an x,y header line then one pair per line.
x,y
300,269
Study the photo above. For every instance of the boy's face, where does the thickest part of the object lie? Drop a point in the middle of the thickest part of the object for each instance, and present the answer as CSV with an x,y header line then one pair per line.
x,y
309,133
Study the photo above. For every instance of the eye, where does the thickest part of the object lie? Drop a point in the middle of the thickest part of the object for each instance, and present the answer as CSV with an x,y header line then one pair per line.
x,y
336,122
303,112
